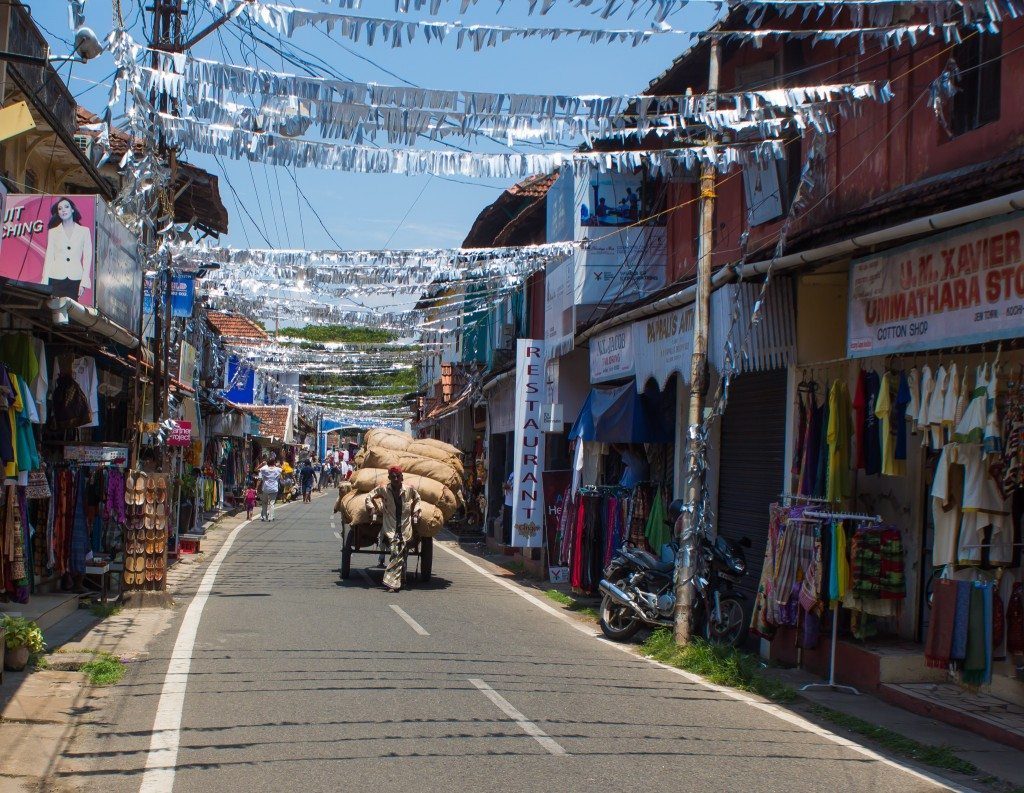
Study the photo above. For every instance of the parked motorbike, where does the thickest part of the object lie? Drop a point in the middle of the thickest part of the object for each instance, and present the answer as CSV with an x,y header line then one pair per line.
x,y
638,590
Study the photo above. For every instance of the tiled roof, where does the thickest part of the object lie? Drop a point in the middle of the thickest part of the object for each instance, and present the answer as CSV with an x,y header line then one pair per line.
x,y
235,326
535,186
273,419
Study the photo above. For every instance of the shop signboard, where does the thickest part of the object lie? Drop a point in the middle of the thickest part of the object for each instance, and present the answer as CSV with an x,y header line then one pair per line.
x,y
620,266
555,485
180,434
663,344
183,291
51,240
118,273
611,355
527,492
559,309
115,455
963,287
187,363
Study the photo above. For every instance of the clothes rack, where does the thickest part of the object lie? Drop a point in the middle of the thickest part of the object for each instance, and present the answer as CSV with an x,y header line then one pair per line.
x,y
832,684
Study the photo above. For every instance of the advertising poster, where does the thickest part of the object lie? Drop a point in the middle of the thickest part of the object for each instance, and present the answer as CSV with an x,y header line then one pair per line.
x,y
559,314
180,434
527,493
50,240
959,288
555,485
118,273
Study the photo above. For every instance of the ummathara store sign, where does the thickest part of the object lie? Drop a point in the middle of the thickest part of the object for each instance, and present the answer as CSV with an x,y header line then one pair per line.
x,y
964,287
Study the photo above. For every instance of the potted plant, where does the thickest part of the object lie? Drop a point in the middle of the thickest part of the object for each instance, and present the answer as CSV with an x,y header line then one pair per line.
x,y
22,637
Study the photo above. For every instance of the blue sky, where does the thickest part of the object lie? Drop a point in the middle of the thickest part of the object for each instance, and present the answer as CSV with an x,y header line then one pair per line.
x,y
374,211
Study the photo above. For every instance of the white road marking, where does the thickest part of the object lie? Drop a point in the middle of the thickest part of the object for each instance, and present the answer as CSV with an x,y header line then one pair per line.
x,y
525,724
409,620
766,707
337,535
162,759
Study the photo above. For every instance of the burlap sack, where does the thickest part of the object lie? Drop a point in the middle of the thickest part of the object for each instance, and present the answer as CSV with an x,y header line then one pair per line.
x,y
413,464
398,443
356,514
375,436
444,447
366,479
343,490
426,450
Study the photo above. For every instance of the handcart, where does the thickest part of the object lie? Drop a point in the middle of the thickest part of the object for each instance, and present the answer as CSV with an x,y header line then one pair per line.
x,y
364,538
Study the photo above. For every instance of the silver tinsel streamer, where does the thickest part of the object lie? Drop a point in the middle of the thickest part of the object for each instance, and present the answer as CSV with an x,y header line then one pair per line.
x,y
276,150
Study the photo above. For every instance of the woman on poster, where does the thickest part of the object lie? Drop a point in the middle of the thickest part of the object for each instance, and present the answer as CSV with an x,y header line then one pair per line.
x,y
67,268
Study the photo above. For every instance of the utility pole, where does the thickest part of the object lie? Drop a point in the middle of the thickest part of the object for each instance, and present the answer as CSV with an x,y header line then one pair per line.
x,y
695,479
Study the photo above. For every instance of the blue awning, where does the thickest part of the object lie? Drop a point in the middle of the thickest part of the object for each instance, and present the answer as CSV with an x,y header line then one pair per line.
x,y
618,414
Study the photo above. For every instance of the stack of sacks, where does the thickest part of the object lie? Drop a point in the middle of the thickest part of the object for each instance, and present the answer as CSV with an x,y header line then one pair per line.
x,y
434,469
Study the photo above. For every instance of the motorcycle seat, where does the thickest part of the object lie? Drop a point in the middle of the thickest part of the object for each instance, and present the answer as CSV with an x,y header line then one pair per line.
x,y
653,562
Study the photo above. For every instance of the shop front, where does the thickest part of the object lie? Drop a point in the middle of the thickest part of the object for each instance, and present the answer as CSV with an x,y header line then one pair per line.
x,y
904,473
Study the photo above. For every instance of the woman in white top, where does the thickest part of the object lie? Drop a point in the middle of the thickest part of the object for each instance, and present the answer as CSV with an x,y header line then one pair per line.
x,y
68,264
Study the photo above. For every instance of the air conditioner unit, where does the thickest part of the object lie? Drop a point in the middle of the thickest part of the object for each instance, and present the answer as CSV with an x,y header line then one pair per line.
x,y
84,144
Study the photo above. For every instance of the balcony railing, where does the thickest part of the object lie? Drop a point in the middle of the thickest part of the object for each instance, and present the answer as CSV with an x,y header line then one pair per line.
x,y
41,84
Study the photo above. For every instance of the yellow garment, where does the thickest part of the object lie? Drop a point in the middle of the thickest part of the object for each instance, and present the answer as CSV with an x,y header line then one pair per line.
x,y
11,469
841,563
883,410
839,482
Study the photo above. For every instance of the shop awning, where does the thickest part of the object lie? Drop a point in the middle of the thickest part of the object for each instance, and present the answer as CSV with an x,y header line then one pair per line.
x,y
618,414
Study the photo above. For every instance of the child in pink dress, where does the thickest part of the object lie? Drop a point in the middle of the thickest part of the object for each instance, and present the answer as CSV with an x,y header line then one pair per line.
x,y
250,501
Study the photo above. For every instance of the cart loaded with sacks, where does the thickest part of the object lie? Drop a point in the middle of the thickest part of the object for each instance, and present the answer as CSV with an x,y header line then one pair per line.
x,y
433,468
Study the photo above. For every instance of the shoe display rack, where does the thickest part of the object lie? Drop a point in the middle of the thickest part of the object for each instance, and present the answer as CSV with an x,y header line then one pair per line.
x,y
145,534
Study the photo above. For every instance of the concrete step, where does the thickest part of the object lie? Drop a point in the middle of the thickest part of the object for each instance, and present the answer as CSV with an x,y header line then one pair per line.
x,y
977,711
46,610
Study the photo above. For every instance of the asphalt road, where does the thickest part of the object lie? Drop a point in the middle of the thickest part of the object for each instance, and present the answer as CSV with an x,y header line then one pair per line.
x,y
302,682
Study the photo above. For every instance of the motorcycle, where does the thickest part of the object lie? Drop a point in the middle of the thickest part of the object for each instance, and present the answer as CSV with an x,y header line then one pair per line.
x,y
638,590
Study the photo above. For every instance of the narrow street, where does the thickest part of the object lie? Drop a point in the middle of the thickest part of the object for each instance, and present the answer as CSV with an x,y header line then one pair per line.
x,y
301,682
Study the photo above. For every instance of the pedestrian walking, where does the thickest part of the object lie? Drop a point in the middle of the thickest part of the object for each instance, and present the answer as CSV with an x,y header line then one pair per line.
x,y
398,508
270,483
250,499
318,474
306,475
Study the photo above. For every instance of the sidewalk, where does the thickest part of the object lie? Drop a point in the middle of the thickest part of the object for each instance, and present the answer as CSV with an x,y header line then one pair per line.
x,y
39,710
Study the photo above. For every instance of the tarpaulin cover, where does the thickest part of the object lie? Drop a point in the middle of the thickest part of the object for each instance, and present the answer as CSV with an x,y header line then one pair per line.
x,y
618,414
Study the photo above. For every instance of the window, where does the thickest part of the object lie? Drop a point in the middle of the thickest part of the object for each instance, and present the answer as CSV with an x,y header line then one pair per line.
x,y
977,101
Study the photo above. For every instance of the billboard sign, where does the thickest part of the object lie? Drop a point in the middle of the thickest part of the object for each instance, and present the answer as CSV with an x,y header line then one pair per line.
x,y
527,492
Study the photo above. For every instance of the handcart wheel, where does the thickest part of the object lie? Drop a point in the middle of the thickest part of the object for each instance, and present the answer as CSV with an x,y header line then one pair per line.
x,y
426,558
346,554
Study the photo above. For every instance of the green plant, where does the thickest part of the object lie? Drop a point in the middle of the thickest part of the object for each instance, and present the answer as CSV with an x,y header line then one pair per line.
x,y
20,632
720,664
105,670
104,610
571,603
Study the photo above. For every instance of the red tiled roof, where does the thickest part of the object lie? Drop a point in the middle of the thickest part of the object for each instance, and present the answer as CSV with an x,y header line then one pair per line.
x,y
273,419
535,186
235,326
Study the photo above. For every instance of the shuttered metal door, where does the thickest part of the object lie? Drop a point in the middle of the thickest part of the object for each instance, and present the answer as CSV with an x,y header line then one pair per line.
x,y
752,469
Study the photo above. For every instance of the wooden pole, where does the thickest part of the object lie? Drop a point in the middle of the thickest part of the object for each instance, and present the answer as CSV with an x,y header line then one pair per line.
x,y
688,521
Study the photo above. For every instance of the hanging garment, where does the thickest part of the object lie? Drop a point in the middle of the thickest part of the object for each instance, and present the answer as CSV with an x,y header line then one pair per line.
x,y
914,398
83,371
900,412
946,497
809,472
940,625
656,532
840,437
978,661
1015,621
872,438
949,403
860,402
802,417
921,417
821,479
839,581
998,621
885,406
761,622
958,645
80,529
70,405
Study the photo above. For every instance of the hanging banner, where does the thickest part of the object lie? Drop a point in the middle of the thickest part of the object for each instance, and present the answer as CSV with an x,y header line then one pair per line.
x,y
556,486
965,287
183,291
559,313
611,355
527,494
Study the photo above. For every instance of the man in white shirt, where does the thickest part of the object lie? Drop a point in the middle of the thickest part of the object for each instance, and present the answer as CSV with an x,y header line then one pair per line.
x,y
269,475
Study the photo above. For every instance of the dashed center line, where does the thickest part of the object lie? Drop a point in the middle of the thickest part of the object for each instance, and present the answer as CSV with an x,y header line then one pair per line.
x,y
409,620
527,726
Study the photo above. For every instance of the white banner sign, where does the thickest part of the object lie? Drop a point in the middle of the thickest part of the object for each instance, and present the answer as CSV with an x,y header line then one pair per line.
x,y
620,266
611,355
559,311
527,494
663,345
960,288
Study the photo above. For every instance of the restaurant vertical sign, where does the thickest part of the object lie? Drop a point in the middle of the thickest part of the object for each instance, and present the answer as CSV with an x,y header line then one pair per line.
x,y
527,493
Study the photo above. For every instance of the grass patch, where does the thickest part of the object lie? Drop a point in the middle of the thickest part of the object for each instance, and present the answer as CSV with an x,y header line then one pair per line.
x,y
936,756
723,665
571,603
104,610
105,670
